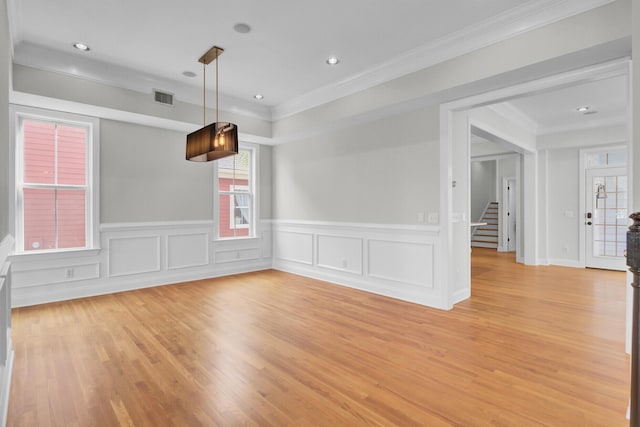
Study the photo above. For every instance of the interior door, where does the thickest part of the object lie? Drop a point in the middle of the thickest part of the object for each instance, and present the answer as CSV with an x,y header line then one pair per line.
x,y
606,219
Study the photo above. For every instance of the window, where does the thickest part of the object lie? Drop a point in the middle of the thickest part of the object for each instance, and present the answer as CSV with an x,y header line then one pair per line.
x,y
54,194
236,194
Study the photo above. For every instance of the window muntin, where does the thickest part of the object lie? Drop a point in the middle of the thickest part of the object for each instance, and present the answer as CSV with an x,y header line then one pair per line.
x,y
236,195
54,198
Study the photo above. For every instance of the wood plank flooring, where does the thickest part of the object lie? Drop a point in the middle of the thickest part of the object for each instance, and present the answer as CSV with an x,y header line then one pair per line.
x,y
534,346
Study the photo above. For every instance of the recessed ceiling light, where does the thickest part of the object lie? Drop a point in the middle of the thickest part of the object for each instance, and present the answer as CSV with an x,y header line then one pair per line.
x,y
242,28
258,96
333,61
188,74
81,46
583,109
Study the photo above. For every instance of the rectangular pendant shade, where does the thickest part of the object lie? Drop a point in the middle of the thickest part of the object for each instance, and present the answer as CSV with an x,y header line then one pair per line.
x,y
212,142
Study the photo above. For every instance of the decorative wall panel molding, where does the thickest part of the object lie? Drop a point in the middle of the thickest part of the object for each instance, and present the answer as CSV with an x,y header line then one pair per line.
x,y
6,347
187,250
134,256
294,246
340,253
404,262
399,261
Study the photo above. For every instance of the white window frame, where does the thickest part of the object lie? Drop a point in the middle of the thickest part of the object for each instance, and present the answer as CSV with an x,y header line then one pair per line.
x,y
92,185
254,195
240,189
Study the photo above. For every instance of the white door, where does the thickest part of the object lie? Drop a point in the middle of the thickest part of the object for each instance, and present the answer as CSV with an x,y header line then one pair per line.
x,y
606,219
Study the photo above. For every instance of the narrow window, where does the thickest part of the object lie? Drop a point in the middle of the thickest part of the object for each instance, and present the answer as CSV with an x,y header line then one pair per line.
x,y
236,195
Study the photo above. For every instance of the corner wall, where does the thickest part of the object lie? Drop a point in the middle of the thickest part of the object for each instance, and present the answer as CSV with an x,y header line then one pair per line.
x,y
6,239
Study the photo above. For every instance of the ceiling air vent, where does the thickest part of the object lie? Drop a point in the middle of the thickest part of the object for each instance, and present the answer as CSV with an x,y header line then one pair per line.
x,y
163,97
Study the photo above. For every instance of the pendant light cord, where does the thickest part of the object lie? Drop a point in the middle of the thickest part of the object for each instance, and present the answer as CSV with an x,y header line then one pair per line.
x,y
217,60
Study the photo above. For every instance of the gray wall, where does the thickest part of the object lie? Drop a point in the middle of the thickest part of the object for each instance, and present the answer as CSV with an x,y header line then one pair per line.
x,y
483,187
563,170
384,171
264,181
145,177
5,84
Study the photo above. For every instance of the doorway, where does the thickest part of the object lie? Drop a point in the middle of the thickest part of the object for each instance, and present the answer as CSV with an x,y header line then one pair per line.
x,y
606,219
456,121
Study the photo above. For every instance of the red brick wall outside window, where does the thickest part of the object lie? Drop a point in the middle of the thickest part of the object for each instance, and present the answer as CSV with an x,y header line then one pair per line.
x,y
53,189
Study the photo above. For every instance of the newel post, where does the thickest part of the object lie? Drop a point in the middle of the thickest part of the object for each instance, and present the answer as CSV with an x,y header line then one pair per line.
x,y
633,262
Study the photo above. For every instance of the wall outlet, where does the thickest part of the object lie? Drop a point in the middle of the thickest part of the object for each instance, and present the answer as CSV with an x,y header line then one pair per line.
x,y
433,218
345,263
565,249
68,273
568,214
420,216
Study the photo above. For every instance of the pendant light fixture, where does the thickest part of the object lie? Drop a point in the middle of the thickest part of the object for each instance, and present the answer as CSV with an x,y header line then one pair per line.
x,y
219,139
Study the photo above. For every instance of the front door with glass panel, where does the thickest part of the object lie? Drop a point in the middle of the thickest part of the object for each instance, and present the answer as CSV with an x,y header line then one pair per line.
x,y
606,219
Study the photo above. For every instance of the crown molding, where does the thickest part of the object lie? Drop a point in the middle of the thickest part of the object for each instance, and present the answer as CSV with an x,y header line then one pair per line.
x,y
531,15
14,17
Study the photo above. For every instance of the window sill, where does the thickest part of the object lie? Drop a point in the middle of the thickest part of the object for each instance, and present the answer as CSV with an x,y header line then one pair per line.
x,y
57,254
236,239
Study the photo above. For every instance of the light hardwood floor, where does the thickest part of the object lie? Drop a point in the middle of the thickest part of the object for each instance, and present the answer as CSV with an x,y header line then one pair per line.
x,y
533,346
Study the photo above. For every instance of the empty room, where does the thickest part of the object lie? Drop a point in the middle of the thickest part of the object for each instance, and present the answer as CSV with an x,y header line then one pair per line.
x,y
330,214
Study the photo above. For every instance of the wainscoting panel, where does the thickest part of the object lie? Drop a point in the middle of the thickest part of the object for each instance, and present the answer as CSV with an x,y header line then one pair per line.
x,y
295,247
6,347
393,260
404,262
340,253
187,250
134,255
68,272
237,255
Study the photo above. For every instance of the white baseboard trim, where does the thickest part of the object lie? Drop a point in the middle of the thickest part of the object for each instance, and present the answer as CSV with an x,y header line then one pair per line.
x,y
5,385
566,263
414,295
34,295
459,296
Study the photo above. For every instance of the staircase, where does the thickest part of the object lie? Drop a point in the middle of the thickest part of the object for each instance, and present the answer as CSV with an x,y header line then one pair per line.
x,y
486,236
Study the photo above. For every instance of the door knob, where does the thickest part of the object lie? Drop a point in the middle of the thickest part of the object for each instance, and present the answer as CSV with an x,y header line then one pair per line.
x,y
589,222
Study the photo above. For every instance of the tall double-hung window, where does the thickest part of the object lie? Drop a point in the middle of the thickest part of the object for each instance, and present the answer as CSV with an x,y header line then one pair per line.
x,y
54,200
236,197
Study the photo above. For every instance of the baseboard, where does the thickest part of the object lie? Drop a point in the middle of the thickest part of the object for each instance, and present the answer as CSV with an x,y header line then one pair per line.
x,y
5,385
413,294
566,263
60,292
461,295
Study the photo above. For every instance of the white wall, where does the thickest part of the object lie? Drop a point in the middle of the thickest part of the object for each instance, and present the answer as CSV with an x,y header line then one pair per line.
x,y
483,187
5,84
6,239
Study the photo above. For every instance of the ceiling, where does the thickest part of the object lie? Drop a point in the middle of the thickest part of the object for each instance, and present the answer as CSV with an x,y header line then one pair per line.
x,y
139,45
